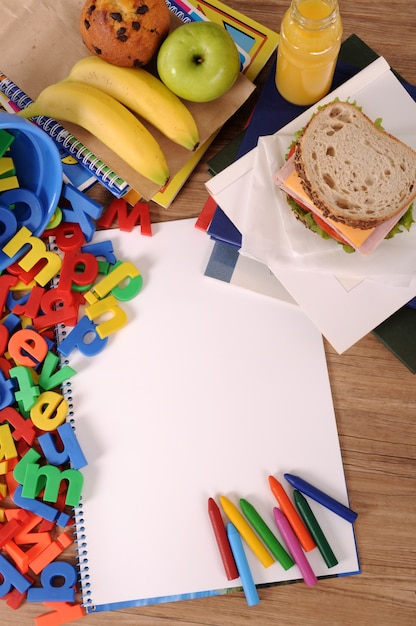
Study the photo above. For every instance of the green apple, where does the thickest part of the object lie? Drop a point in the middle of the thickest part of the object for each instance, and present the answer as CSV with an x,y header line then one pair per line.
x,y
198,61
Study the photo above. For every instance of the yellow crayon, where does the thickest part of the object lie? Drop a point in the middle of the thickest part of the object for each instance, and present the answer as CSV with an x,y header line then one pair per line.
x,y
246,532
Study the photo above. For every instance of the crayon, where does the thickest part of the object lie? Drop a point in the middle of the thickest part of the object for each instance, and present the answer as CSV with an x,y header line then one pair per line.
x,y
294,547
264,532
292,515
319,496
222,540
246,577
246,532
314,528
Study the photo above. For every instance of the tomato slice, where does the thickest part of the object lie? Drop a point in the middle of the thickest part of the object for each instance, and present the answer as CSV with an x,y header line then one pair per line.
x,y
291,151
328,229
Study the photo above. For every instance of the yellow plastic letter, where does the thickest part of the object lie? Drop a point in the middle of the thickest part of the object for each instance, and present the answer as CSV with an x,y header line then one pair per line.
x,y
49,411
103,308
37,252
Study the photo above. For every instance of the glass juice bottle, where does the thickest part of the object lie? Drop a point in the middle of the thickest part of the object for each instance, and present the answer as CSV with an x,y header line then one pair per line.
x,y
310,38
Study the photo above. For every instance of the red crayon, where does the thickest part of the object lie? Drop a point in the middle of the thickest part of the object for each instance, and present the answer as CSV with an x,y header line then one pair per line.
x,y
222,540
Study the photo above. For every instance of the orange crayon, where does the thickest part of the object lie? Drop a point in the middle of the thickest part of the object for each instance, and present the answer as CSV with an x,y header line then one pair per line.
x,y
292,515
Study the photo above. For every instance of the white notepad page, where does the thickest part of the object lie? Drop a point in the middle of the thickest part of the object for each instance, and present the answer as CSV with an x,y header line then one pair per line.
x,y
207,390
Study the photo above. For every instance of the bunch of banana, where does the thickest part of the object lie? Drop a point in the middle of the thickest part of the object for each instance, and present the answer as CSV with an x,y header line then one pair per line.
x,y
144,94
106,118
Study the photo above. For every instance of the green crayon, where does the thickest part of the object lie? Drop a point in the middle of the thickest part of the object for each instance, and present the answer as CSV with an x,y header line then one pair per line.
x,y
314,528
266,534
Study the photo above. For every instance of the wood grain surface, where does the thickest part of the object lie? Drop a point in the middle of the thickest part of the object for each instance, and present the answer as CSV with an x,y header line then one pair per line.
x,y
375,404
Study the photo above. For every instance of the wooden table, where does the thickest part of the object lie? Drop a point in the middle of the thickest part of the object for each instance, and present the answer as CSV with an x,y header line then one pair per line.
x,y
375,404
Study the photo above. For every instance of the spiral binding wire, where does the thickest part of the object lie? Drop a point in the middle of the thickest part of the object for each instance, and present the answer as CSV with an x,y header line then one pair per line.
x,y
82,557
80,534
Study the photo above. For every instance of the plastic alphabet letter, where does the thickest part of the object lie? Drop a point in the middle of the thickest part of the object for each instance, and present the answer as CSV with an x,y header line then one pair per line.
x,y
85,337
55,220
9,530
122,271
19,471
6,282
50,411
38,251
69,236
39,541
14,599
62,613
16,300
25,277
7,446
101,249
8,183
6,140
5,367
71,449
49,592
58,308
116,209
51,375
127,220
142,215
4,338
7,167
102,308
40,508
23,429
30,305
78,268
84,210
12,322
49,478
27,347
20,558
51,552
11,578
27,535
31,215
28,392
6,391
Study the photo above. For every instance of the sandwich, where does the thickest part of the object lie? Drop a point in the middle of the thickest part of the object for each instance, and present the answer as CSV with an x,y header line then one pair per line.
x,y
348,179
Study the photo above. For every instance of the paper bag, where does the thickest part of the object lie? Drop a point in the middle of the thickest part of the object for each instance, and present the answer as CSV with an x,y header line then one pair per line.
x,y
40,43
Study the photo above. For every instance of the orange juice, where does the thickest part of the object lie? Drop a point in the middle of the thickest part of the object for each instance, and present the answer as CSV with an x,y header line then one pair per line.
x,y
310,38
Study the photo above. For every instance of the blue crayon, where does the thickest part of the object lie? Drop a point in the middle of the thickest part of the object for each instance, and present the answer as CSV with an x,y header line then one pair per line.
x,y
319,496
243,568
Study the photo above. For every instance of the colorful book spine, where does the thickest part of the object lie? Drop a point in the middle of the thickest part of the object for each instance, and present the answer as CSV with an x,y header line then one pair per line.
x,y
64,139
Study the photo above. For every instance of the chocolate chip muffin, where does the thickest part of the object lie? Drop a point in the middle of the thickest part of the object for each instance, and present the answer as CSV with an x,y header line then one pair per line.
x,y
124,32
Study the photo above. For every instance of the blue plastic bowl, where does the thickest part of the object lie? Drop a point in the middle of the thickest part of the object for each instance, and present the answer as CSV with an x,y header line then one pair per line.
x,y
38,169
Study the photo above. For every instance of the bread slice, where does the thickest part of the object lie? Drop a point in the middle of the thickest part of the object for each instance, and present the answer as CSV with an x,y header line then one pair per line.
x,y
354,172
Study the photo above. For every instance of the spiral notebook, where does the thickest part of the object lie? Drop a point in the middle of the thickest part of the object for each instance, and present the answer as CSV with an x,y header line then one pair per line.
x,y
206,391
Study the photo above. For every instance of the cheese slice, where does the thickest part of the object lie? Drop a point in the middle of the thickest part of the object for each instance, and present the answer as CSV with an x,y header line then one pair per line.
x,y
356,236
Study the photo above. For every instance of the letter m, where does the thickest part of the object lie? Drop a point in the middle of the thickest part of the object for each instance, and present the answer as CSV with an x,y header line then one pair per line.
x,y
50,478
